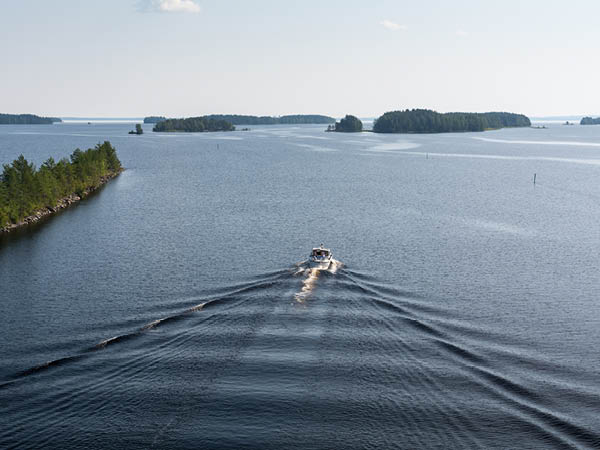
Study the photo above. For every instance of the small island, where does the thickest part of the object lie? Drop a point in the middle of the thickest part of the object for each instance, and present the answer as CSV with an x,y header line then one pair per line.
x,y
194,125
349,124
154,119
296,119
138,130
28,194
239,119
428,121
590,121
27,119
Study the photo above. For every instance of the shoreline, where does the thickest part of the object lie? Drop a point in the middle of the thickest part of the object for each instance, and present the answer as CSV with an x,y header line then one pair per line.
x,y
63,203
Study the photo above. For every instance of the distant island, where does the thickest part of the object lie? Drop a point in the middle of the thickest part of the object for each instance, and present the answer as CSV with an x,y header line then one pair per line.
x,y
27,194
238,119
154,119
138,130
194,125
349,124
590,121
26,119
428,121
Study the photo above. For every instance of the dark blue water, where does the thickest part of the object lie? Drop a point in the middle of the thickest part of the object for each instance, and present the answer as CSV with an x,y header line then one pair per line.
x,y
169,309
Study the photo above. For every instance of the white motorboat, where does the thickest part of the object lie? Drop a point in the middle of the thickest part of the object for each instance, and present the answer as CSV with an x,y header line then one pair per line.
x,y
320,258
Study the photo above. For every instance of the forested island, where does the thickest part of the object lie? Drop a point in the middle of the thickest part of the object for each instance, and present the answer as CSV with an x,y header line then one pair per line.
x,y
428,121
590,121
238,119
26,119
154,119
349,124
138,130
194,124
27,194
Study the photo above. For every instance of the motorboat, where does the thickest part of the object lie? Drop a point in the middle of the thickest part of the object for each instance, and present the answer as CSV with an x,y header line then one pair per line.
x,y
320,258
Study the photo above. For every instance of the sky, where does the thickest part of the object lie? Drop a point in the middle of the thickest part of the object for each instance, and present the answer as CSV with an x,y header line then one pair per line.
x,y
178,58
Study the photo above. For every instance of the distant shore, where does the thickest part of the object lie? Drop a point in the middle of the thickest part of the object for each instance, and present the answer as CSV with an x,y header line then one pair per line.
x,y
61,204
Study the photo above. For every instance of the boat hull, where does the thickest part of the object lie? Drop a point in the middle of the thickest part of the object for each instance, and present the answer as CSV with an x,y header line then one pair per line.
x,y
319,265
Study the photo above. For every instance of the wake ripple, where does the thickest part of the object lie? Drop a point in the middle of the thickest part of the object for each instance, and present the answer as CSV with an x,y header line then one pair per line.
x,y
227,295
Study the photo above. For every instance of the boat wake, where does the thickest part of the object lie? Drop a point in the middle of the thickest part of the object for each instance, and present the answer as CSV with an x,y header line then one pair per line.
x,y
365,353
311,275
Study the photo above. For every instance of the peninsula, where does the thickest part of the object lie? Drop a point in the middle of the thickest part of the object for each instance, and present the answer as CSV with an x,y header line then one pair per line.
x,y
26,119
194,124
27,194
428,121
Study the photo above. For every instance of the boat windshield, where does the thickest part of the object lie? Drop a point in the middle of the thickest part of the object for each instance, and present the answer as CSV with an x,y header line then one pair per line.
x,y
320,253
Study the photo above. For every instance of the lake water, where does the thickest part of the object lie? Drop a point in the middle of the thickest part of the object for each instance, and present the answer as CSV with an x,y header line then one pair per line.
x,y
172,310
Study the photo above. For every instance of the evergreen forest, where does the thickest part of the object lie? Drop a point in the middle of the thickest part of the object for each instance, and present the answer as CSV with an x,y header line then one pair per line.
x,y
239,119
194,124
25,189
349,124
427,121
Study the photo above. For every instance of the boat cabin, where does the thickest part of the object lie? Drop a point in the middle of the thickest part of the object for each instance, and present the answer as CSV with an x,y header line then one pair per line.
x,y
321,253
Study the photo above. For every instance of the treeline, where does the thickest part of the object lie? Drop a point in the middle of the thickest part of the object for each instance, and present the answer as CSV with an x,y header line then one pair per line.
x,y
590,121
194,124
427,121
154,119
25,189
349,124
26,119
239,119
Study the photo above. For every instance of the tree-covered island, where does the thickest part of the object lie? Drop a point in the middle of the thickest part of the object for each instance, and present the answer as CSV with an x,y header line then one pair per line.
x,y
590,121
349,124
193,125
427,121
27,194
239,119
138,130
295,119
26,119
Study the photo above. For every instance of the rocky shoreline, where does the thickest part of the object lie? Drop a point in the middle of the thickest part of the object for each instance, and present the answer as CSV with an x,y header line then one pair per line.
x,y
63,203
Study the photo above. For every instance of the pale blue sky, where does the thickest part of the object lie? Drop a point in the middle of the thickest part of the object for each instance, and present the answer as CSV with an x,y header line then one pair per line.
x,y
183,57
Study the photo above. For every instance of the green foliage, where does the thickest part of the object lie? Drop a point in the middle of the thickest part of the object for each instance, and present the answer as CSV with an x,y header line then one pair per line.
x,y
24,190
349,124
138,129
427,121
238,119
590,121
194,124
